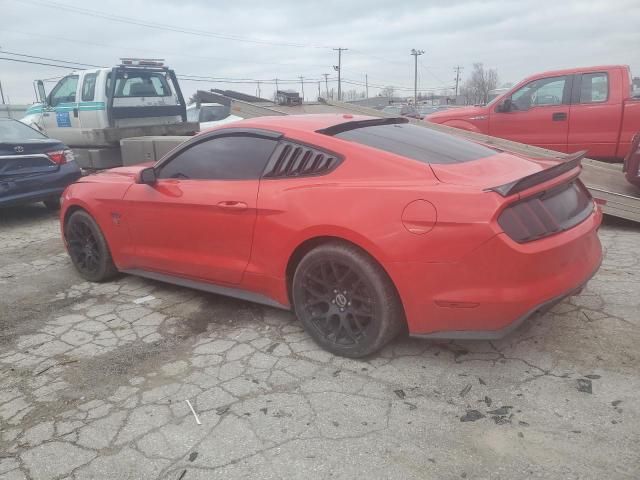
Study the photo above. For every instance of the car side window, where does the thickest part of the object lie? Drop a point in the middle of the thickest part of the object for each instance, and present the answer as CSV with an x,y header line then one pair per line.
x,y
64,91
594,87
89,87
234,157
541,92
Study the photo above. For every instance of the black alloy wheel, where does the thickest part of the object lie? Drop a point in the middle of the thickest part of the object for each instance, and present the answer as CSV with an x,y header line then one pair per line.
x,y
87,248
345,300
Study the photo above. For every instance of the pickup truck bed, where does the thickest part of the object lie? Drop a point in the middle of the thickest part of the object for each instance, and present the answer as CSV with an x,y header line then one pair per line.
x,y
110,137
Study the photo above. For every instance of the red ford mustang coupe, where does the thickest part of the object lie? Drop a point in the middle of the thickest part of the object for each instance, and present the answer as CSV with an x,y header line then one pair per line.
x,y
362,226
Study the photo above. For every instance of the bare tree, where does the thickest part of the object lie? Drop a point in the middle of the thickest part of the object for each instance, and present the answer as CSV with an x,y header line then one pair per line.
x,y
350,94
476,89
388,91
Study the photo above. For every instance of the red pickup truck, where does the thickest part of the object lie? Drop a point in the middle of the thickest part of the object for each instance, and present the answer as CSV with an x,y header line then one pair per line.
x,y
591,109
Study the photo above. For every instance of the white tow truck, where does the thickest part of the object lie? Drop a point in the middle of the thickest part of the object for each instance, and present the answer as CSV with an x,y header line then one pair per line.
x,y
93,110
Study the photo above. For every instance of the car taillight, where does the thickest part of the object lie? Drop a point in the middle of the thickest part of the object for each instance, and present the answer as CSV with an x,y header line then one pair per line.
x,y
61,156
547,213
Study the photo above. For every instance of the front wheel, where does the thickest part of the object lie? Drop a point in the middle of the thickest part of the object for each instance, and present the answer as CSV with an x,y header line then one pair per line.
x,y
345,300
88,248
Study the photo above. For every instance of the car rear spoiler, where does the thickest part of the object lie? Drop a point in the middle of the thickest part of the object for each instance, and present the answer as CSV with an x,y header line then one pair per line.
x,y
568,163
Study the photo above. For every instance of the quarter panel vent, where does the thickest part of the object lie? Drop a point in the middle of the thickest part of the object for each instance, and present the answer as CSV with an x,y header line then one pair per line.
x,y
295,160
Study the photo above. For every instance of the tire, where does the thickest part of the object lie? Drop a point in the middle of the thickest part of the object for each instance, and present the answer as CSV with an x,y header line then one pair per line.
x,y
88,248
53,204
345,300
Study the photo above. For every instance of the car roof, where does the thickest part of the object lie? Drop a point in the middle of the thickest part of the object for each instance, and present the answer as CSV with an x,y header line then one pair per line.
x,y
569,71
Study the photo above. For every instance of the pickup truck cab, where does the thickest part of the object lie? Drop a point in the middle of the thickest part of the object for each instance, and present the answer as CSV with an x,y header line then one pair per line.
x,y
589,109
91,108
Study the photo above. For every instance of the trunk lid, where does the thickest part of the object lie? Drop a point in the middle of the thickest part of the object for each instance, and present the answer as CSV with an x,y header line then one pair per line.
x,y
489,172
28,157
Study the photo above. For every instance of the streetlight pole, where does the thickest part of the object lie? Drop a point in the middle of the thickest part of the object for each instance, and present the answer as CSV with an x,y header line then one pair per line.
x,y
415,54
302,83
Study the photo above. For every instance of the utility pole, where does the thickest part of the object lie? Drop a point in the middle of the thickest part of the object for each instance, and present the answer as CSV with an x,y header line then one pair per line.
x,y
415,54
319,94
1,93
326,82
457,70
258,89
302,83
339,69
276,85
366,84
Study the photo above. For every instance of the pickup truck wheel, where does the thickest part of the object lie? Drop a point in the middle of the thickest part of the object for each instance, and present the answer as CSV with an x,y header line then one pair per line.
x,y
88,248
345,300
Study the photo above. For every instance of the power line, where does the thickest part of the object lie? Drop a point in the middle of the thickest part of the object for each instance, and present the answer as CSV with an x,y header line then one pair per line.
x,y
72,65
163,52
50,59
19,60
163,26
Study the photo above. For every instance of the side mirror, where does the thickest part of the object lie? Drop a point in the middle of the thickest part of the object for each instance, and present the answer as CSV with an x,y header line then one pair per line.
x,y
41,93
504,106
147,176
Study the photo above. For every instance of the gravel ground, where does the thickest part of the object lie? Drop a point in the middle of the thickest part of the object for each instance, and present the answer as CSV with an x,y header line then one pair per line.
x,y
94,378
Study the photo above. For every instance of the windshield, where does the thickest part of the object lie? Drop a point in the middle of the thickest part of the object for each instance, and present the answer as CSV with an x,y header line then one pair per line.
x,y
139,84
15,131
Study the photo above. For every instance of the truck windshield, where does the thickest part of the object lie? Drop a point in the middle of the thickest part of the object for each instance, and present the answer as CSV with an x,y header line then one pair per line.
x,y
139,84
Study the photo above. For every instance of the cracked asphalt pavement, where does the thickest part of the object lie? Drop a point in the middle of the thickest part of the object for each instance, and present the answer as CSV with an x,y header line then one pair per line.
x,y
94,380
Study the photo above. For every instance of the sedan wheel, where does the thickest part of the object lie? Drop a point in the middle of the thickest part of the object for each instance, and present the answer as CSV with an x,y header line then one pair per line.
x,y
87,248
345,300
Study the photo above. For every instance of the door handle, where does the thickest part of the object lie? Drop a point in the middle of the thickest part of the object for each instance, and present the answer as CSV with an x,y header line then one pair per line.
x,y
233,205
559,116
75,112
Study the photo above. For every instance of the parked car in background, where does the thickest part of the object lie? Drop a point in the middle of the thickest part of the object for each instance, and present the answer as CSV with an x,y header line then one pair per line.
x,y
362,226
210,115
589,109
425,110
631,166
408,111
33,167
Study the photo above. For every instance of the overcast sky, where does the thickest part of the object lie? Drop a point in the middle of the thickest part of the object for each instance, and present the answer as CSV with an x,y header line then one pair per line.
x,y
517,37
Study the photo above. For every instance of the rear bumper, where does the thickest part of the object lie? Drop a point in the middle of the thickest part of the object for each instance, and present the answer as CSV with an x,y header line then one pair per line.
x,y
502,332
492,290
36,188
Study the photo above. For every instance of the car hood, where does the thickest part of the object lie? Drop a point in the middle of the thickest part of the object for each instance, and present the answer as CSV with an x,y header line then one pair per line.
x,y
490,171
464,112
118,175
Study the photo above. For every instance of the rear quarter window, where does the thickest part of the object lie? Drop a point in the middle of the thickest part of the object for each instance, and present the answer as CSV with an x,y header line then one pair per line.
x,y
418,143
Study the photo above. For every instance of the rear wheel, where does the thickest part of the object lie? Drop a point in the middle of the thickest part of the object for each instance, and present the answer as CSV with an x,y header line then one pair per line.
x,y
87,248
345,300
